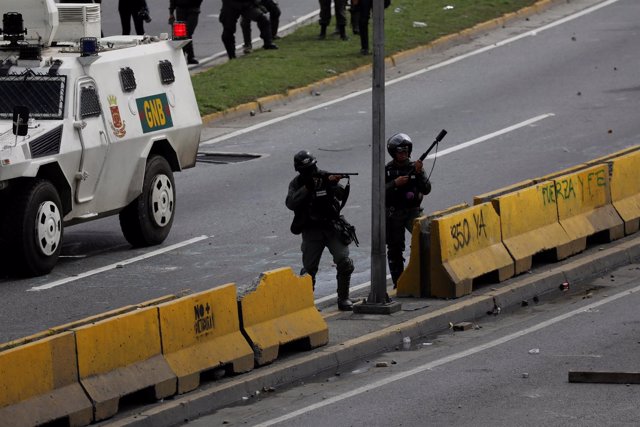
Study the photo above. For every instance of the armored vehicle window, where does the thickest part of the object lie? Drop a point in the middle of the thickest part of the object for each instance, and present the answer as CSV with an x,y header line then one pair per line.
x,y
166,72
43,95
127,79
89,102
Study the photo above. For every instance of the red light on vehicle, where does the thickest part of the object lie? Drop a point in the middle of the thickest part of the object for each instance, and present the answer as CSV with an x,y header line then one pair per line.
x,y
179,30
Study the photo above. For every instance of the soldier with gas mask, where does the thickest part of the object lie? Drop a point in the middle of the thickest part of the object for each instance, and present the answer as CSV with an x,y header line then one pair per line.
x,y
316,197
406,185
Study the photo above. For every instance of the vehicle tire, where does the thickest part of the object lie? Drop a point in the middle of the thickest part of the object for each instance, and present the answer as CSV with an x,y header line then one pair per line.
x,y
147,220
33,229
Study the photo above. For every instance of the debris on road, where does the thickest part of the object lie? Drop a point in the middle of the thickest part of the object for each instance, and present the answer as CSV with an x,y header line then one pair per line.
x,y
462,326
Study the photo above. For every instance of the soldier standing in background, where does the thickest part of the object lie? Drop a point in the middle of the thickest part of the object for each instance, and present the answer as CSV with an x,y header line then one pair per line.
x,y
186,11
340,7
136,10
271,6
229,14
365,8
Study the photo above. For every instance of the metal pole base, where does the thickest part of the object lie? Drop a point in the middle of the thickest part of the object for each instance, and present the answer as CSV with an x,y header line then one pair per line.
x,y
377,308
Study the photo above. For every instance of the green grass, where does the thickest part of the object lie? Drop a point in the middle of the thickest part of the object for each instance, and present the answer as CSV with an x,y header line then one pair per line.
x,y
303,59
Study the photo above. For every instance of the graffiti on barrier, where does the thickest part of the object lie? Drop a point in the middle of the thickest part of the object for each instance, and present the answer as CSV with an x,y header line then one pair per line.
x,y
463,233
573,187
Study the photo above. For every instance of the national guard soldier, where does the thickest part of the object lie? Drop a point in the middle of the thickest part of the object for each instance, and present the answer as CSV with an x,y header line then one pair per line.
x,y
271,6
248,9
316,197
406,184
187,11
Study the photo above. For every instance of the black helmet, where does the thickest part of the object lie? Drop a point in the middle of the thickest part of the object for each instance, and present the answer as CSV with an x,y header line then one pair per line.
x,y
399,141
303,160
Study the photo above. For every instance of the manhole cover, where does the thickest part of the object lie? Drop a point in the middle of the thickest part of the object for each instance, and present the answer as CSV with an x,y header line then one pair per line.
x,y
224,158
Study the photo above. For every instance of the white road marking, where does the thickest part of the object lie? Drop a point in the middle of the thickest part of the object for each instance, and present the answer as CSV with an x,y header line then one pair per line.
x,y
445,360
408,76
490,135
117,264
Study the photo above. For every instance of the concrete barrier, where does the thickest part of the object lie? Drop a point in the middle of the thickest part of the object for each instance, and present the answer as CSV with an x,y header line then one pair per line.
x,y
76,323
279,311
410,283
625,189
39,384
584,205
530,225
612,156
415,280
202,331
122,355
467,244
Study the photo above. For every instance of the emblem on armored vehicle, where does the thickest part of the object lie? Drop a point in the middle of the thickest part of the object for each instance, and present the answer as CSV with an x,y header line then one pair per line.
x,y
117,124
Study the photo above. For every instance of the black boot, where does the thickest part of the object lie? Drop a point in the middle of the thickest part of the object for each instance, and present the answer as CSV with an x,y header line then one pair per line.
x,y
323,32
343,33
345,304
344,281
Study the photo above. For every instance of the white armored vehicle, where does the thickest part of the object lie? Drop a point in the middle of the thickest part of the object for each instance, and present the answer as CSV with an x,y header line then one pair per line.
x,y
89,127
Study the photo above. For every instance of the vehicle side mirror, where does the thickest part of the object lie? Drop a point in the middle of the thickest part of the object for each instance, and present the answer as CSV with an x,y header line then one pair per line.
x,y
20,120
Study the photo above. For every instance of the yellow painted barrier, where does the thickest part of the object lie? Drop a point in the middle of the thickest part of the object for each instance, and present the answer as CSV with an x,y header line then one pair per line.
x,y
122,355
612,156
202,331
39,384
410,281
279,311
625,190
584,204
487,197
467,244
530,225
416,278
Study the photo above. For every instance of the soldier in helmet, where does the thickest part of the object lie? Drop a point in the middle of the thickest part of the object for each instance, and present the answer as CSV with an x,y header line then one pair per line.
x,y
406,185
316,199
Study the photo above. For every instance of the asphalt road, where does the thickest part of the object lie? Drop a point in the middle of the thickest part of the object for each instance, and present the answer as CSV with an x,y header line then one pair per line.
x,y
510,369
207,43
516,107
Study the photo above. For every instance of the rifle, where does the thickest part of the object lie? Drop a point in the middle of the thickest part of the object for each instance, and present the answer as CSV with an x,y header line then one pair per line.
x,y
439,138
342,174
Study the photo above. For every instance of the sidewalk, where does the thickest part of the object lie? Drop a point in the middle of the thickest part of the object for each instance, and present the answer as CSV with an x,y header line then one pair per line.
x,y
356,336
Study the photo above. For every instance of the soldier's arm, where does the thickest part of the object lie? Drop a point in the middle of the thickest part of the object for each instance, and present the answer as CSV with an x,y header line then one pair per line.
x,y
297,194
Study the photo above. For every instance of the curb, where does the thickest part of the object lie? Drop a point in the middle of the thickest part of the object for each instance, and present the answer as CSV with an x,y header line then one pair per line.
x,y
580,268
265,104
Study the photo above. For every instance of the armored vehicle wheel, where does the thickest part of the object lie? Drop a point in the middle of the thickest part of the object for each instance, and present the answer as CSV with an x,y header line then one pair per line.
x,y
147,220
34,229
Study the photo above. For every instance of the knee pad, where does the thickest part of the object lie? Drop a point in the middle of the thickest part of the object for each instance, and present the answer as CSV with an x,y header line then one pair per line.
x,y
345,266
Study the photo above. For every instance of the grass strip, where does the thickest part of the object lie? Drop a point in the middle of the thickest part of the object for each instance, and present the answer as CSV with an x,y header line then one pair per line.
x,y
303,59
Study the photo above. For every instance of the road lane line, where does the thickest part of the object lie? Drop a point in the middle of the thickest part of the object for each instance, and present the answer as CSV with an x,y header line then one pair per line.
x,y
490,135
447,359
117,264
410,75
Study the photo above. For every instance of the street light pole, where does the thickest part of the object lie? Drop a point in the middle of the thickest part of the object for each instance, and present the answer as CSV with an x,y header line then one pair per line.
x,y
378,300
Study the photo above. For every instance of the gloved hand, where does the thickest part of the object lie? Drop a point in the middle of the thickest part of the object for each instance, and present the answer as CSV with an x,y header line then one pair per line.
x,y
308,182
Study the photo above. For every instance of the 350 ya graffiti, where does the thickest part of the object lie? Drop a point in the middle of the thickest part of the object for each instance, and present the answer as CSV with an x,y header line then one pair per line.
x,y
463,232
